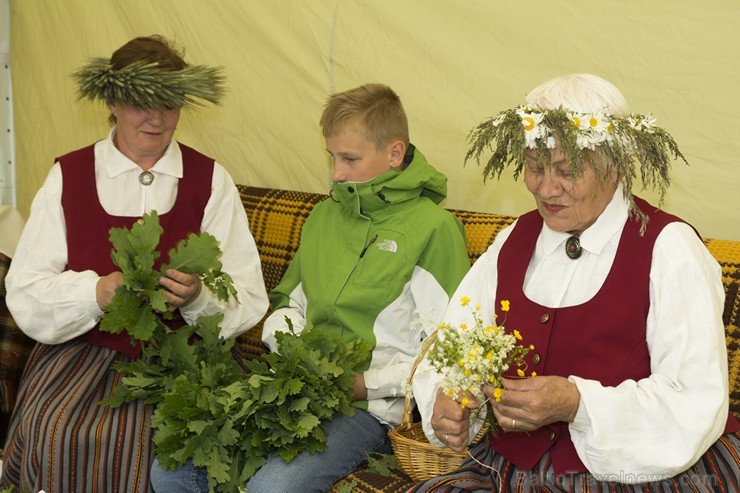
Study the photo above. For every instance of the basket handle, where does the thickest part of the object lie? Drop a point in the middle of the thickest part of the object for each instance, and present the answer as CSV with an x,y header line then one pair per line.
x,y
425,345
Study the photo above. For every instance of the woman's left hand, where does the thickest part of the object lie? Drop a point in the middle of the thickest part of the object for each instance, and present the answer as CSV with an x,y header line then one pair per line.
x,y
180,288
531,403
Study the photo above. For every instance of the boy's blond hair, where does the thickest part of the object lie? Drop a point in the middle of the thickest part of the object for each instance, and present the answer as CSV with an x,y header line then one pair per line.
x,y
375,109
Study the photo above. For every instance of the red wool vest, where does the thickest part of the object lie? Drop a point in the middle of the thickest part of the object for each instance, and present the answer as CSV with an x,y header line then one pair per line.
x,y
88,225
602,339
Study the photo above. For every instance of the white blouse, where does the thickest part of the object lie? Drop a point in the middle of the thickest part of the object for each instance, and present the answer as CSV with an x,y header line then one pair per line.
x,y
52,305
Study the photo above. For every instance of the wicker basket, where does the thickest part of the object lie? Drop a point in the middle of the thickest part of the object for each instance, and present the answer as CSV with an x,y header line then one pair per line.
x,y
418,458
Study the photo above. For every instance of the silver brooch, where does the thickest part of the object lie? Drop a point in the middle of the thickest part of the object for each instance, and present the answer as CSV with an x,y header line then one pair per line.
x,y
146,178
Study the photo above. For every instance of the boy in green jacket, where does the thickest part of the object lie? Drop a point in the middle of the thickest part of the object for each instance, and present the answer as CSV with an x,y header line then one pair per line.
x,y
373,259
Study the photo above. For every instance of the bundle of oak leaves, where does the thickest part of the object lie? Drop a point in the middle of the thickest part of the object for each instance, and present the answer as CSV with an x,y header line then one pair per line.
x,y
209,408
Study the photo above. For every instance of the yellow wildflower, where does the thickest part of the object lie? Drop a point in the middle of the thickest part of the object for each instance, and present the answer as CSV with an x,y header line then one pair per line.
x,y
464,402
531,346
520,372
477,353
534,373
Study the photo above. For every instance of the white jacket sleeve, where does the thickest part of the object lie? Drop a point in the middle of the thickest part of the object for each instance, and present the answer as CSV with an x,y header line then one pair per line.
x,y
429,299
288,300
276,321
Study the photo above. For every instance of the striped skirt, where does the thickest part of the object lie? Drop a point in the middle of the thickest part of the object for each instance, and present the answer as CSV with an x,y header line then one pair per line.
x,y
61,440
717,471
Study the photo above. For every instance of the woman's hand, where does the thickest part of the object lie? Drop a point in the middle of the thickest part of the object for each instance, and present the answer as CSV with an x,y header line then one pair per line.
x,y
531,403
180,289
451,422
105,289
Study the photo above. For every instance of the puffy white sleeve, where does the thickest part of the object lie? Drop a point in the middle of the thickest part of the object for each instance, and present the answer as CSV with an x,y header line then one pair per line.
x,y
224,217
49,304
480,286
662,424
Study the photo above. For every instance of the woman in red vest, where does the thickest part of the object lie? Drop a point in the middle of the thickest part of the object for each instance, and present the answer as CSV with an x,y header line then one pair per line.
x,y
62,277
626,387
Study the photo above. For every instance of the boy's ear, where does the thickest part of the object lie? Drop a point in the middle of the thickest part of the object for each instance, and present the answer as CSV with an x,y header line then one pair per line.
x,y
398,151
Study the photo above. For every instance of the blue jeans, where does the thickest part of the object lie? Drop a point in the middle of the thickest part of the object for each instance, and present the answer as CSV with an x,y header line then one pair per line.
x,y
348,440
187,479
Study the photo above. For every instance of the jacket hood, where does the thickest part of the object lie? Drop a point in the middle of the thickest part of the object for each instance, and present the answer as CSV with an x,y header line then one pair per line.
x,y
418,178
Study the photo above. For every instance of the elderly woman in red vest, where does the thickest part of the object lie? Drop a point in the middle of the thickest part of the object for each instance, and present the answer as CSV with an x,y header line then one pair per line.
x,y
62,277
626,384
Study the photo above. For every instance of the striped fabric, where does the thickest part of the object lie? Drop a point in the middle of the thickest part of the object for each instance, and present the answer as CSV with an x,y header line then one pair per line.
x,y
15,347
61,440
485,471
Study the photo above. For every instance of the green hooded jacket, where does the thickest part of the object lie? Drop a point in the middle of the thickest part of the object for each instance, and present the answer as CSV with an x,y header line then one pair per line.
x,y
375,259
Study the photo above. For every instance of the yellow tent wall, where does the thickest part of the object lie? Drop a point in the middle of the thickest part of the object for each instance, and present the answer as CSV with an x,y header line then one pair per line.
x,y
452,62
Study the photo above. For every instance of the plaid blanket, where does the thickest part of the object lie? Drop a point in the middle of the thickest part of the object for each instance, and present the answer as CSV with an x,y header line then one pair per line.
x,y
15,347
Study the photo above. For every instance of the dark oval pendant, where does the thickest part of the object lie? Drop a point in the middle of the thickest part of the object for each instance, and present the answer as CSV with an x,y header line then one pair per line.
x,y
146,178
573,247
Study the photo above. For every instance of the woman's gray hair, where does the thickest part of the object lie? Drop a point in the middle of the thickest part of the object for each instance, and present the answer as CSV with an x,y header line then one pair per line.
x,y
584,93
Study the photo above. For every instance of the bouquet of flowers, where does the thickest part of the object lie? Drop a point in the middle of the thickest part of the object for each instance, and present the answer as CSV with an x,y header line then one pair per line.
x,y
470,357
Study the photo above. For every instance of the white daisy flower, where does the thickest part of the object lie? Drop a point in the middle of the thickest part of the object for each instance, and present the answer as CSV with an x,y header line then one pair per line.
x,y
579,120
532,124
642,122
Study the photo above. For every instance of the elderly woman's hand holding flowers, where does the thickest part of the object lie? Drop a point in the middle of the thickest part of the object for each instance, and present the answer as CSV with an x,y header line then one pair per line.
x,y
474,358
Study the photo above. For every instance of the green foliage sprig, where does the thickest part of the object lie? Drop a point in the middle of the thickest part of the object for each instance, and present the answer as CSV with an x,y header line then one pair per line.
x,y
209,411
210,408
140,305
382,464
